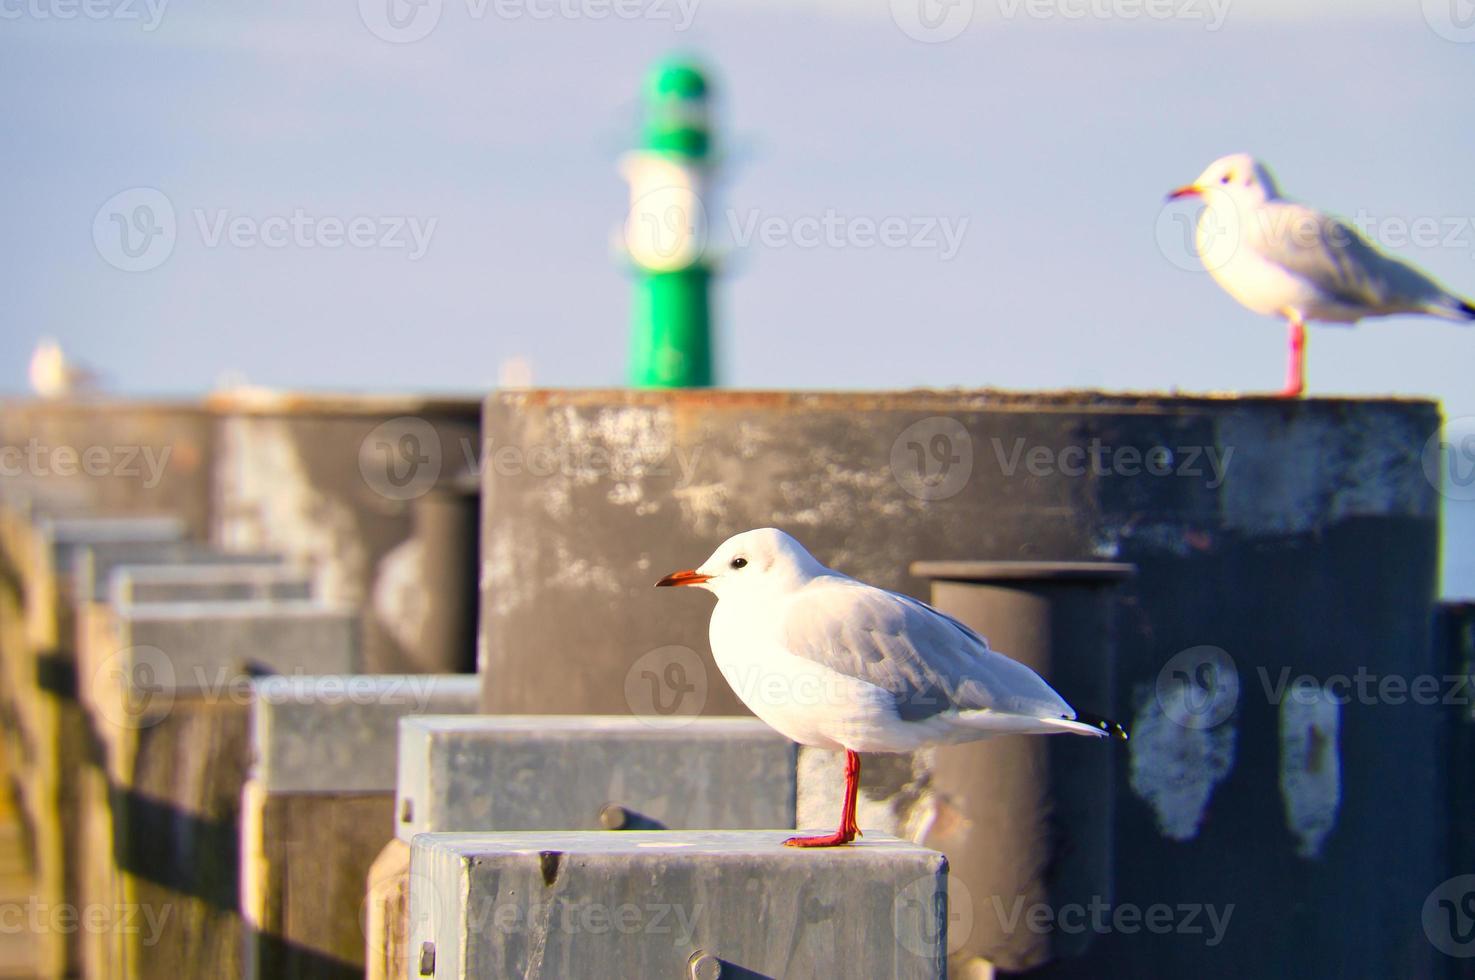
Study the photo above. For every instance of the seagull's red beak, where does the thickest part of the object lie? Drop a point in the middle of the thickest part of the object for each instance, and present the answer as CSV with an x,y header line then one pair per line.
x,y
689,577
1188,190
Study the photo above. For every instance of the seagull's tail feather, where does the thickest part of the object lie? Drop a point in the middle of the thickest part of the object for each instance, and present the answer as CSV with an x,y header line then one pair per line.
x,y
1452,308
987,722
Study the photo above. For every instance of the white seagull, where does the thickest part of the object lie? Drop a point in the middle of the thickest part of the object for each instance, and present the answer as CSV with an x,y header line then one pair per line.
x,y
1285,259
52,376
832,662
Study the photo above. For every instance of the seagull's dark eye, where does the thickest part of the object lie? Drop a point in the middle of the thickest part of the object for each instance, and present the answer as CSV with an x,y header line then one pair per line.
x,y
738,563
1226,178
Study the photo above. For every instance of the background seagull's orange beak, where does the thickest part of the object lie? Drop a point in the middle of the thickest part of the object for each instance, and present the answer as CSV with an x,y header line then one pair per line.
x,y
1188,190
688,577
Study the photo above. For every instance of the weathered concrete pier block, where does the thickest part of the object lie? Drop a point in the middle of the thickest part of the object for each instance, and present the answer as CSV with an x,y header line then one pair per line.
x,y
338,483
95,564
198,647
110,457
1274,540
318,810
571,773
45,729
146,584
674,904
591,772
170,703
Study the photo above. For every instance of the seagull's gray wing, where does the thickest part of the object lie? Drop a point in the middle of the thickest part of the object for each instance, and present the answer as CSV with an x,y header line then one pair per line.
x,y
928,661
1335,258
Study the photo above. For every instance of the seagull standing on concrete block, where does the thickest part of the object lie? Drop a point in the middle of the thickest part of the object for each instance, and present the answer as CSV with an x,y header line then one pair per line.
x,y
835,663
1286,259
52,376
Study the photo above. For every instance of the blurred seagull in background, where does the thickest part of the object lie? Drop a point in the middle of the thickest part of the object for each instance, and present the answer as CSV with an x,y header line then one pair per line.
x,y
53,377
832,662
1282,258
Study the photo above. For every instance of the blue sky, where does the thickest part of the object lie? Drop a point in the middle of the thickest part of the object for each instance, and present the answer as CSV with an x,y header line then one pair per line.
x,y
1044,133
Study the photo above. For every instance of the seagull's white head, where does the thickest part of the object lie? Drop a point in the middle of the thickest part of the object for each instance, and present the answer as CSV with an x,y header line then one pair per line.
x,y
1239,176
761,562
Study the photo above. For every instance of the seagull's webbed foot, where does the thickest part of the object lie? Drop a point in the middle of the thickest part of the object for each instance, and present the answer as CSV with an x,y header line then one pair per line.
x,y
836,839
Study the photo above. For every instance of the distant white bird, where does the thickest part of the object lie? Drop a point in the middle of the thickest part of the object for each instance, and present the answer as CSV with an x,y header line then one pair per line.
x,y
1282,258
832,662
52,376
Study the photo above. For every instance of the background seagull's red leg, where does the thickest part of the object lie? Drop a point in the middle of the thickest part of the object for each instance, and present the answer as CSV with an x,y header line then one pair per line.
x,y
1296,362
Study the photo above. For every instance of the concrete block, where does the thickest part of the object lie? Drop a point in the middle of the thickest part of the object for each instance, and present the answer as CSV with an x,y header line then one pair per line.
x,y
198,647
112,457
66,535
673,904
95,563
45,729
318,810
329,734
1314,521
144,584
387,914
350,486
590,772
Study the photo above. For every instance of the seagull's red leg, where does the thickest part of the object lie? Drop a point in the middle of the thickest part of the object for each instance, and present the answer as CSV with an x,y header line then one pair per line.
x,y
849,829
1296,364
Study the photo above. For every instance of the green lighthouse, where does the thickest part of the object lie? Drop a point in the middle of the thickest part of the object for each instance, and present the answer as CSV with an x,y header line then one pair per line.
x,y
666,232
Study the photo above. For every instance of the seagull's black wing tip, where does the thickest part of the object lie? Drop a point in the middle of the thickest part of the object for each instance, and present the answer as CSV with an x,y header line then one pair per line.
x,y
1110,728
